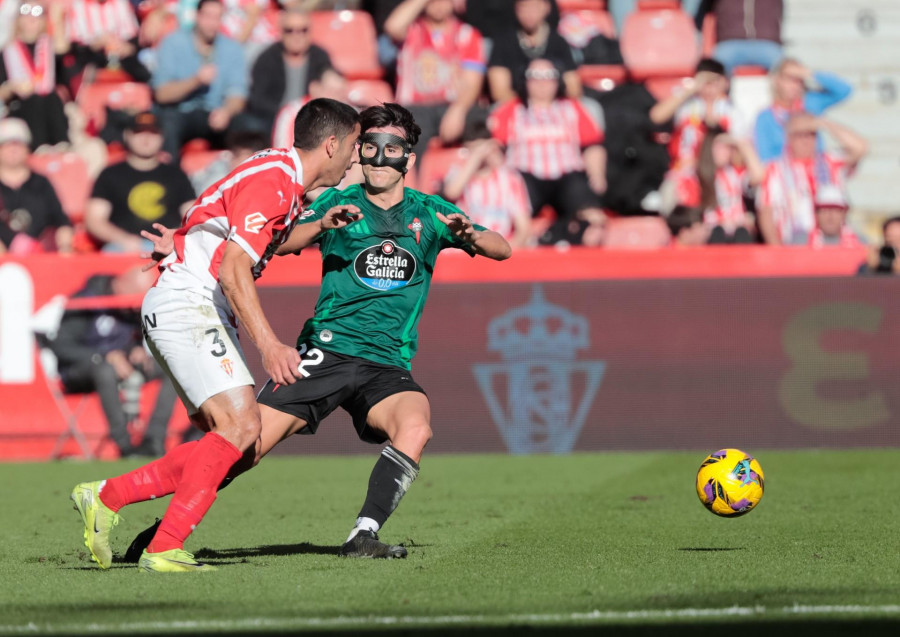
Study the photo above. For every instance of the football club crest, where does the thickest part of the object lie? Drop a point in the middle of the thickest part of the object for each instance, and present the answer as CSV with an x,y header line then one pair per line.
x,y
416,226
532,394
227,366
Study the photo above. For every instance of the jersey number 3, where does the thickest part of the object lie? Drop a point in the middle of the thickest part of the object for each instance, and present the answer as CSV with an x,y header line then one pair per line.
x,y
219,348
314,357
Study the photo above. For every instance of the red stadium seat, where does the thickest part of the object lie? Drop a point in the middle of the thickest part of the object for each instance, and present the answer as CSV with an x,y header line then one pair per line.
x,y
434,165
349,37
660,42
194,161
68,173
370,92
566,6
637,232
663,87
602,77
125,96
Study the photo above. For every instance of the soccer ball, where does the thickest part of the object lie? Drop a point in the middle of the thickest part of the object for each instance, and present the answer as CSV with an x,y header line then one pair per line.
x,y
730,483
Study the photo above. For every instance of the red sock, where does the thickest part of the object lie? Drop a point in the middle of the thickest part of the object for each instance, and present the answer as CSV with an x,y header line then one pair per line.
x,y
196,491
153,480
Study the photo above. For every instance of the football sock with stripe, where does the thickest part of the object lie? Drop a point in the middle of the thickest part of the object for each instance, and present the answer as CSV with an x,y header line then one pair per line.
x,y
196,491
390,479
153,480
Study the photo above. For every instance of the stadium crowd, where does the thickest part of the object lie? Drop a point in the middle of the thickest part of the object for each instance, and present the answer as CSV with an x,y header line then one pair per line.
x,y
540,118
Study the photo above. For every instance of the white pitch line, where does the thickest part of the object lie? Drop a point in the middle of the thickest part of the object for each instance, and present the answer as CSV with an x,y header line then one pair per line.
x,y
596,616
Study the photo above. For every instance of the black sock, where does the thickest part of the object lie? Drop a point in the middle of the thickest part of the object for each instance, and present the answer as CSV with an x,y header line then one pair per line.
x,y
391,477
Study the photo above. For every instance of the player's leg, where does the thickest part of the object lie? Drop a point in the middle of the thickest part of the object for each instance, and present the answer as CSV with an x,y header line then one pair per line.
x,y
404,419
235,421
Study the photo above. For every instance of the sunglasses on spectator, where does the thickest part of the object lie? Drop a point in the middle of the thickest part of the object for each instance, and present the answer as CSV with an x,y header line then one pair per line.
x,y
542,74
295,30
34,10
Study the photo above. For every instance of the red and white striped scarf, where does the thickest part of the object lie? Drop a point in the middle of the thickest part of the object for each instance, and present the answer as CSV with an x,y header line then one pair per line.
x,y
39,69
848,239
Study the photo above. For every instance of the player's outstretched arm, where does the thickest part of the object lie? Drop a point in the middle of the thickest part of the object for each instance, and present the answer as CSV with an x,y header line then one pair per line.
x,y
304,234
236,278
487,243
162,245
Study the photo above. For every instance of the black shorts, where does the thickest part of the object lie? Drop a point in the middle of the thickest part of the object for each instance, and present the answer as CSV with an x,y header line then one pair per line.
x,y
567,195
333,380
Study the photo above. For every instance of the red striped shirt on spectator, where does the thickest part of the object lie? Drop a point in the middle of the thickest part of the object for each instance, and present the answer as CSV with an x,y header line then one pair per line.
x,y
429,62
495,199
545,142
87,20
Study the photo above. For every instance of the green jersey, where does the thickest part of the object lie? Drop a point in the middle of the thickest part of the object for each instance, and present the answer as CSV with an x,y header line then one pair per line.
x,y
376,274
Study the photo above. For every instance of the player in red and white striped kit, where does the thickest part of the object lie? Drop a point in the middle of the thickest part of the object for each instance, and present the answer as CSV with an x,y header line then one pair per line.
x,y
190,320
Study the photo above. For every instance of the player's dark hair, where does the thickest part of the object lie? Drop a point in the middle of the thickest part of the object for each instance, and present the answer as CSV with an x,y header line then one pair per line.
x,y
390,114
712,66
321,118
204,2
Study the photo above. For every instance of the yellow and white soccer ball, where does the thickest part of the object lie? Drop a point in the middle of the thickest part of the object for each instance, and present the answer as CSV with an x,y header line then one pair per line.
x,y
730,483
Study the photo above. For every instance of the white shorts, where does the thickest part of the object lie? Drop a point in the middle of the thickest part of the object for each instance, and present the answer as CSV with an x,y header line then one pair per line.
x,y
196,344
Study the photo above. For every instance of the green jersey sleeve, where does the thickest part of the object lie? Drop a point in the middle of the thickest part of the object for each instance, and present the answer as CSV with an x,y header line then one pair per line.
x,y
447,239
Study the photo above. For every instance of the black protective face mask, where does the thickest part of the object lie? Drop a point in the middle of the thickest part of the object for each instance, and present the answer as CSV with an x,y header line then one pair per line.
x,y
380,141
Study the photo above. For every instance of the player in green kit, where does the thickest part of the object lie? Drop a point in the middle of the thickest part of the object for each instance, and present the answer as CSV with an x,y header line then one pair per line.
x,y
356,350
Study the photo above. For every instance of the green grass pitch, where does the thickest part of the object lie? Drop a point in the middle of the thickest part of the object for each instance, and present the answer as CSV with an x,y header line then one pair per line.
x,y
584,543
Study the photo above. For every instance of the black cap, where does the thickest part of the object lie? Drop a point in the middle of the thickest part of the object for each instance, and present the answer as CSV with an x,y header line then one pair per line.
x,y
145,122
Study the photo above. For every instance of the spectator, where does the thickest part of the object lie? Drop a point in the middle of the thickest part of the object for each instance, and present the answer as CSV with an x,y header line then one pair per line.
x,y
250,23
9,9
703,105
687,227
531,36
785,206
794,88
200,82
31,71
728,173
748,33
132,195
831,220
329,83
104,34
283,71
491,193
883,259
240,146
31,217
440,69
491,17
101,350
557,147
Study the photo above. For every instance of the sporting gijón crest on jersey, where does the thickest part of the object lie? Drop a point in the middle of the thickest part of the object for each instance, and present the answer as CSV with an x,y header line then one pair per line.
x,y
376,274
256,206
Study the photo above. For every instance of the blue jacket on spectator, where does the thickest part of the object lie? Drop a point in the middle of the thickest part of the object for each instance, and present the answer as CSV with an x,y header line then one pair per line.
x,y
178,59
769,130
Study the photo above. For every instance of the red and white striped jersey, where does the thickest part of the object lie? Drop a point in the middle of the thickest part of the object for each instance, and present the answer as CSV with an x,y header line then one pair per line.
x,y
256,205
848,239
731,183
283,128
545,142
789,189
495,199
266,29
86,20
429,62
691,121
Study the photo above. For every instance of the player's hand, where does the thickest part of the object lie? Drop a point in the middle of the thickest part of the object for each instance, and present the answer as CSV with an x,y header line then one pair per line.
x,y
162,245
282,363
340,217
460,226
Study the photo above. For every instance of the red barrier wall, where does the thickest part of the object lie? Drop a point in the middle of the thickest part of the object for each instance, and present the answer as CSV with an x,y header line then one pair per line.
x,y
559,351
